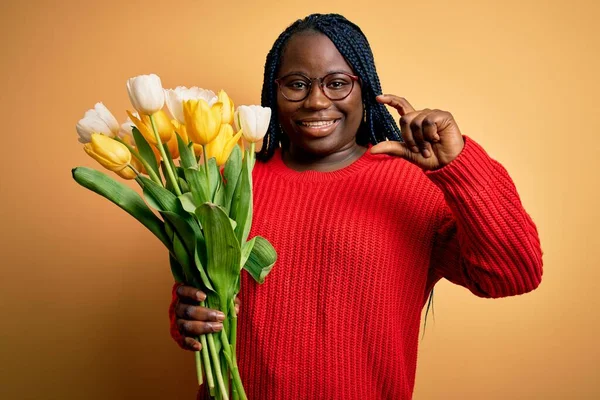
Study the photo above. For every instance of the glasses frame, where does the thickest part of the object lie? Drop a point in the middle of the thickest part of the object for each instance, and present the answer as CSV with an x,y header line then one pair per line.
x,y
353,79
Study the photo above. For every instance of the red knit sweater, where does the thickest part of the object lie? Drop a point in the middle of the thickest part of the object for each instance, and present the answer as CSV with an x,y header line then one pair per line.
x,y
359,251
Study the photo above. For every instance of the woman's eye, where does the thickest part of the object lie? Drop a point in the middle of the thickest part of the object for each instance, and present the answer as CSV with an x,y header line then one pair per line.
x,y
336,84
297,85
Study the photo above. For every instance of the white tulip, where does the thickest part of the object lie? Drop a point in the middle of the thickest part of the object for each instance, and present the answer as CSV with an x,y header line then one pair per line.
x,y
97,120
176,97
126,131
254,121
146,93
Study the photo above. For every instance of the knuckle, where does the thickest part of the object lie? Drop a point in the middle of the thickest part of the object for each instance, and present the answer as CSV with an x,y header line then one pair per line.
x,y
415,125
188,312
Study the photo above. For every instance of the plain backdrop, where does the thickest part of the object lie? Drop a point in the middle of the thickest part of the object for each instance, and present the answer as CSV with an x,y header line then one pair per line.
x,y
85,288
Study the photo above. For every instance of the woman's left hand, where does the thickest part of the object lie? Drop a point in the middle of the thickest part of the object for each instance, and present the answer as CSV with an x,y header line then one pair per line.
x,y
431,137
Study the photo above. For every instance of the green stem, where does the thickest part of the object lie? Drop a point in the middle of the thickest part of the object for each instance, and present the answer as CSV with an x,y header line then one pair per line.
x,y
137,173
235,373
206,173
217,365
206,358
161,149
233,328
197,355
233,340
141,159
252,154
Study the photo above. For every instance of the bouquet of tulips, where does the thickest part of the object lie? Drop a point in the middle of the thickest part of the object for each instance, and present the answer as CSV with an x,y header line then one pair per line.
x,y
194,172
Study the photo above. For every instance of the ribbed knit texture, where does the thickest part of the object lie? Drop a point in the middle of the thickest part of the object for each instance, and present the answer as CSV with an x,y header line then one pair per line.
x,y
359,251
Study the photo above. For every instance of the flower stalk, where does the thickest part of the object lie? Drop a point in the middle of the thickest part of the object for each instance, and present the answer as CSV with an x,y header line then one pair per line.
x,y
161,149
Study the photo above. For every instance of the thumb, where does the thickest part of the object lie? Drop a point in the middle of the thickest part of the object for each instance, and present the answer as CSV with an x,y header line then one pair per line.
x,y
392,148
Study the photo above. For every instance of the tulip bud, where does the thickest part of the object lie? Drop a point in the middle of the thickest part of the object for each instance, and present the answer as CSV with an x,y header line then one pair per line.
x,y
97,120
146,93
202,121
228,108
254,121
110,153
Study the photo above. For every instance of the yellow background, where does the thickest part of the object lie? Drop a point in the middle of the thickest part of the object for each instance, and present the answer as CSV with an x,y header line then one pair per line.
x,y
85,288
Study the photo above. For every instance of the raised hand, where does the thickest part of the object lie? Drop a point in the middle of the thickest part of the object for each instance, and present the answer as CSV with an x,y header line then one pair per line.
x,y
432,138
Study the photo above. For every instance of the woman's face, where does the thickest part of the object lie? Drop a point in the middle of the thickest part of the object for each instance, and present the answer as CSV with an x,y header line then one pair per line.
x,y
317,125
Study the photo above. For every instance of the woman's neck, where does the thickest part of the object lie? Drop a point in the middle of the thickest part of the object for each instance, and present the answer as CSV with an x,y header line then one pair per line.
x,y
300,160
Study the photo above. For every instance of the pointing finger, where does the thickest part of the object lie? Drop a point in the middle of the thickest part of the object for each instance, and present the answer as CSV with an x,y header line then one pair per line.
x,y
399,103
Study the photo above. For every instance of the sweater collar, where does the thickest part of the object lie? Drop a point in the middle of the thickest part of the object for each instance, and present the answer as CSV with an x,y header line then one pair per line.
x,y
277,166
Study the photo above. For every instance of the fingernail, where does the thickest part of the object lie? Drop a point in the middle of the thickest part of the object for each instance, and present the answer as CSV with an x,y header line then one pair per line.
x,y
219,316
197,346
216,326
415,149
426,153
200,296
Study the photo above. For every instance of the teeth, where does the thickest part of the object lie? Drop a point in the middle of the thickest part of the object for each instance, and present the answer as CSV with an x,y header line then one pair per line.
x,y
317,124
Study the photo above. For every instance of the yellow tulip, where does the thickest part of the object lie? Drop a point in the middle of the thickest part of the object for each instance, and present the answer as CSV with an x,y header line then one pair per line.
x,y
181,130
110,153
128,173
228,107
221,147
173,146
163,125
201,121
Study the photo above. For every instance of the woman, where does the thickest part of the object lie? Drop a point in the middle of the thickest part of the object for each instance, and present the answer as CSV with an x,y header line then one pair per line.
x,y
363,232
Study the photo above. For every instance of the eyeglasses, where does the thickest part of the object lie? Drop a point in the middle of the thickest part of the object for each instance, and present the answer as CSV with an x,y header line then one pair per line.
x,y
335,86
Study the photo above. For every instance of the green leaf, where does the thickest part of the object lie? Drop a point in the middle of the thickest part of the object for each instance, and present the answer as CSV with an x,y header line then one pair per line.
x,y
184,260
176,269
160,198
215,177
198,186
186,154
241,205
187,202
261,259
168,184
233,168
187,227
246,250
220,194
145,150
124,197
183,184
201,269
222,250
193,243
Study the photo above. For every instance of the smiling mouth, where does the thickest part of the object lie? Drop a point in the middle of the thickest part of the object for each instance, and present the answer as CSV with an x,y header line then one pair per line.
x,y
317,124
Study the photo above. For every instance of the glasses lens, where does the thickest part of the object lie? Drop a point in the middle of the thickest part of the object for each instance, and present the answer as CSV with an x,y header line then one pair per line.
x,y
337,86
294,87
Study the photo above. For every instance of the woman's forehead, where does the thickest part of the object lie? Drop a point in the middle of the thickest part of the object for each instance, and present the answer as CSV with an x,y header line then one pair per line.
x,y
313,54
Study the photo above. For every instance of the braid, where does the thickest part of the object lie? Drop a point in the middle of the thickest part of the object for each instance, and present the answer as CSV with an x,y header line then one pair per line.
x,y
354,47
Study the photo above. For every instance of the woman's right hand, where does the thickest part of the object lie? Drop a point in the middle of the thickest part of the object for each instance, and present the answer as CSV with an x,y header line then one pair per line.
x,y
193,320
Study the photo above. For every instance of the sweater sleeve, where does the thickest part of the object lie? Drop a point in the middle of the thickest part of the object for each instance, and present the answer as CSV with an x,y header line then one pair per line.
x,y
485,240
172,317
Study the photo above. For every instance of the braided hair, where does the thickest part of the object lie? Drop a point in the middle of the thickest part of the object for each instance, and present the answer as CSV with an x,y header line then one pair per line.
x,y
348,38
